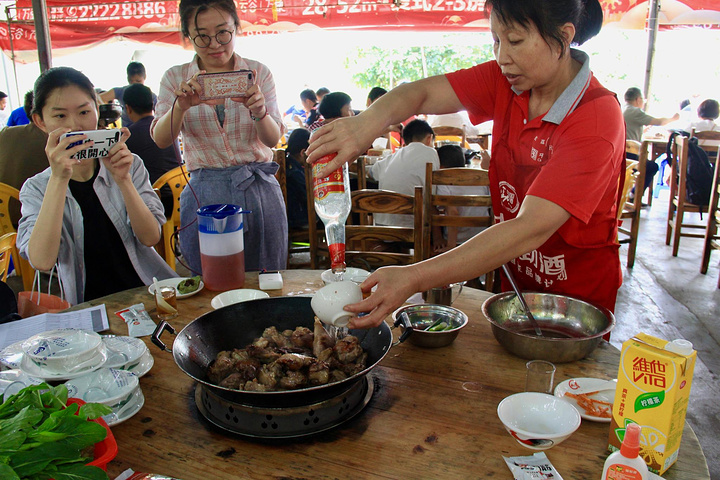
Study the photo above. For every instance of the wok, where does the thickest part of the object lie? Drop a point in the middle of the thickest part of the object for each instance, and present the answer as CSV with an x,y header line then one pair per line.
x,y
237,325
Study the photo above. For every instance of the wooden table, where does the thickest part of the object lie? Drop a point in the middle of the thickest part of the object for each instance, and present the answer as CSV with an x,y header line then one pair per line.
x,y
432,416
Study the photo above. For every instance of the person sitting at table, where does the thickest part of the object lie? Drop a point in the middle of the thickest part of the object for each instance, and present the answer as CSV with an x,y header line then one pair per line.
x,y
297,212
452,156
333,106
97,220
394,134
708,111
558,152
404,170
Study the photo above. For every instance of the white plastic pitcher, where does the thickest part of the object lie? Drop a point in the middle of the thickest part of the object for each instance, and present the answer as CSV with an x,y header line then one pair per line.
x,y
220,228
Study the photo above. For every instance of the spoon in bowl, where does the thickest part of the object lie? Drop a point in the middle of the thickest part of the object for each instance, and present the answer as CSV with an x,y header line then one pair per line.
x,y
524,304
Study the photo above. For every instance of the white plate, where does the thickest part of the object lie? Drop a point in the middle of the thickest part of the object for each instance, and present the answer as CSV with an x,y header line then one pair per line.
x,y
352,274
12,355
126,409
173,282
123,352
12,381
236,296
105,385
576,383
60,349
32,369
146,363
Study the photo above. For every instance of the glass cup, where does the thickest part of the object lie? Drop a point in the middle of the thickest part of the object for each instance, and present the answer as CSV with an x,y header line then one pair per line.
x,y
166,303
539,376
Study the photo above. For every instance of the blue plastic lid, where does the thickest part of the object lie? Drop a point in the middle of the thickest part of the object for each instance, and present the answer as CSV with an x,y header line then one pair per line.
x,y
220,218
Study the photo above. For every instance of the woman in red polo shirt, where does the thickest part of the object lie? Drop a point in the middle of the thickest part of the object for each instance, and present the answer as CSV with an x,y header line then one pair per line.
x,y
557,153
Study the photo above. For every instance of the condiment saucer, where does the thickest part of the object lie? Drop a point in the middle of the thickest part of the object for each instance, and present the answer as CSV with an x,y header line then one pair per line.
x,y
232,297
173,282
146,363
123,352
126,409
34,370
575,384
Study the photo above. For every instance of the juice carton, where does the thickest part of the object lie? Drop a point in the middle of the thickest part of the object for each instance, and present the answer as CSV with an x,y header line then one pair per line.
x,y
653,391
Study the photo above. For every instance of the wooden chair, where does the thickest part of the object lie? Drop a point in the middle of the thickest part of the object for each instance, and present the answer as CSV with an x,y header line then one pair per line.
x,y
371,201
434,203
452,134
22,266
711,150
7,249
630,210
177,179
678,205
712,238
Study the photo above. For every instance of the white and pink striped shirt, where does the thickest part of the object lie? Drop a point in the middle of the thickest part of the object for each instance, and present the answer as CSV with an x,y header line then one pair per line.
x,y
207,144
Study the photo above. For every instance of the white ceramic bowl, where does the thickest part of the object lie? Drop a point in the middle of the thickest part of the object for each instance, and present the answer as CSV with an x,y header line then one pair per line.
x,y
106,385
63,349
328,303
351,274
236,296
123,352
538,421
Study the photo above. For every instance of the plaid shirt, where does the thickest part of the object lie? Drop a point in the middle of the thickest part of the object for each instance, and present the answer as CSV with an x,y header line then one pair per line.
x,y
207,144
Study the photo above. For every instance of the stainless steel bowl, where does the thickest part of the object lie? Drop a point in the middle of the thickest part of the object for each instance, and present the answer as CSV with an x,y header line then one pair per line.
x,y
571,328
423,316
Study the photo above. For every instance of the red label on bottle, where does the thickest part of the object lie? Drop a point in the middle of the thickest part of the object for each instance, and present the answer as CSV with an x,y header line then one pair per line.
x,y
334,183
337,255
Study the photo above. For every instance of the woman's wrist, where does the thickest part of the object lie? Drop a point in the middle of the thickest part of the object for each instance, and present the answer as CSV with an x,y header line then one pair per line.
x,y
257,118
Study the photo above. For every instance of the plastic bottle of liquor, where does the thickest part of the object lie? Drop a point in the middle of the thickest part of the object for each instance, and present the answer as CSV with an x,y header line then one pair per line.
x,y
332,204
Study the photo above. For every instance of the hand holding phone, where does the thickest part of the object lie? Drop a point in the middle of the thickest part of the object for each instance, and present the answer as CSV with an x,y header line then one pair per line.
x,y
225,84
103,140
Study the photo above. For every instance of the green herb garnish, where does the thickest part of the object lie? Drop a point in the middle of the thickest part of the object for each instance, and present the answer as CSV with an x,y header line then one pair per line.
x,y
189,285
42,437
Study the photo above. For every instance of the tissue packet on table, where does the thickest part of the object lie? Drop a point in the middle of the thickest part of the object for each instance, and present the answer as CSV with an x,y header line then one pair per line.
x,y
138,320
533,467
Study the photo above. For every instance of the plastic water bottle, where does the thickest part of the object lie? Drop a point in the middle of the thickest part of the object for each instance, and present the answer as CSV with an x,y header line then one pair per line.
x,y
332,204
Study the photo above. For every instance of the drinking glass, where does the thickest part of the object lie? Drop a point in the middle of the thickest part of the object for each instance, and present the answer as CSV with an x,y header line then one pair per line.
x,y
539,376
166,303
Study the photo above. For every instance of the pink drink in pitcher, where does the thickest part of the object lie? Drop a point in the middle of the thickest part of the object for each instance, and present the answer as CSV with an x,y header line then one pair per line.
x,y
220,228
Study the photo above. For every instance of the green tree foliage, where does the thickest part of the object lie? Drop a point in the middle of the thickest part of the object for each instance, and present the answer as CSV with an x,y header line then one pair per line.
x,y
388,67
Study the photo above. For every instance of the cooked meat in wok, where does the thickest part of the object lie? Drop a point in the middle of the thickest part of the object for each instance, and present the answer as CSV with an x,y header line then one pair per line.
x,y
288,360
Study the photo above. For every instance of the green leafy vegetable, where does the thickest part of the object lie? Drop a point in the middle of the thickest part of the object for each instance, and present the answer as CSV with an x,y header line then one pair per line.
x,y
189,285
41,436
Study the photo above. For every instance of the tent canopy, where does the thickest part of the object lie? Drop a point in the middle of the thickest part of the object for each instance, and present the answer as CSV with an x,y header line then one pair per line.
x,y
84,23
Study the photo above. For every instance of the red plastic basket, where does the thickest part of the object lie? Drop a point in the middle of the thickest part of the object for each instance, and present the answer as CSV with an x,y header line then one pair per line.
x,y
106,450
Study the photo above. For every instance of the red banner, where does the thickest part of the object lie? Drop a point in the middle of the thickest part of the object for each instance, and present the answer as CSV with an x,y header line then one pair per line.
x,y
74,23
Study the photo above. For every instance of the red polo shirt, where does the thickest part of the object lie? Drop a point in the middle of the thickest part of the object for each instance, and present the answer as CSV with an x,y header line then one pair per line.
x,y
572,156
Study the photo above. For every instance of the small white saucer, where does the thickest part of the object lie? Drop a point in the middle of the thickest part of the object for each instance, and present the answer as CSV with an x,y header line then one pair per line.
x,y
173,282
33,370
123,352
575,384
12,381
146,363
125,409
105,385
236,296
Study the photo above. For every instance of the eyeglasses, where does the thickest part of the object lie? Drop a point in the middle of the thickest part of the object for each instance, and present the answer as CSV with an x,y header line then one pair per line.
x,y
223,37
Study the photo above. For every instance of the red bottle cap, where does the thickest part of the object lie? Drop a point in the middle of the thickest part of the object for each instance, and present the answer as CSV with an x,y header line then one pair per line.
x,y
631,442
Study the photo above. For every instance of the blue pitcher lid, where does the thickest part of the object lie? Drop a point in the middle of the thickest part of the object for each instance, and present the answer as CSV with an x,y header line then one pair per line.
x,y
219,210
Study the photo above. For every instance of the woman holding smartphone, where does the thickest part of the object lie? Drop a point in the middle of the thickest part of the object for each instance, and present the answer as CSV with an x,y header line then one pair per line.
x,y
227,142
96,219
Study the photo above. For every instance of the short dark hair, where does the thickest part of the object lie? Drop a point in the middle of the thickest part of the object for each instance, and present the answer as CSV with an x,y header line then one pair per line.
x,y
298,141
451,156
60,77
632,94
135,68
190,9
139,97
308,94
322,91
332,104
3,95
375,93
549,16
709,109
28,104
416,131
684,103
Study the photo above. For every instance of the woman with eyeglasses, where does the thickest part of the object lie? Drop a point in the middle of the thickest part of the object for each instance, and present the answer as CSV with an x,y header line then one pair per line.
x,y
227,142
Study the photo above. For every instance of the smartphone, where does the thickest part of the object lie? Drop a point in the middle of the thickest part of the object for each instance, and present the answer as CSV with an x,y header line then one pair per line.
x,y
225,84
103,140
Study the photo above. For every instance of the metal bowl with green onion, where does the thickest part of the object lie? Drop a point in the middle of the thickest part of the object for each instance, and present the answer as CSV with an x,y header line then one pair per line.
x,y
433,325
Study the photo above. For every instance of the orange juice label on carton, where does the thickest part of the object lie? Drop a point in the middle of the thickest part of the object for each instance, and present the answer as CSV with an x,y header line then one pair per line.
x,y
653,391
